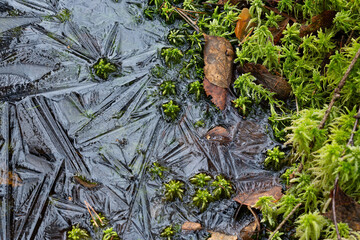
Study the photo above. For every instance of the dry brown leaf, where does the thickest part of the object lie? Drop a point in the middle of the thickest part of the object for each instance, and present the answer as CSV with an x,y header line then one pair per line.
x,y
191,226
218,94
247,232
323,20
218,134
347,209
218,59
272,82
242,23
10,178
84,183
221,236
277,32
250,198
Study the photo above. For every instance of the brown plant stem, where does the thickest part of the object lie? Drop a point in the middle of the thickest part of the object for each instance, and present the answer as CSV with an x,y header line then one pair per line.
x,y
284,221
333,208
351,140
338,89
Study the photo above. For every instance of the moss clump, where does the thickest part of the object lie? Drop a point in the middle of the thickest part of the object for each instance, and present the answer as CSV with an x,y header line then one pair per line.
x,y
103,68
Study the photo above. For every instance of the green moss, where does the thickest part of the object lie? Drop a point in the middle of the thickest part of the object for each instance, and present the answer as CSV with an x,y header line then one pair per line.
x,y
174,189
171,110
77,233
103,68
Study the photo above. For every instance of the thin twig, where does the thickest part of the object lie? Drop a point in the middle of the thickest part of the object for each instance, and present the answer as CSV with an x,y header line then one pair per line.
x,y
338,89
257,220
97,215
187,18
284,221
92,217
333,208
281,13
351,140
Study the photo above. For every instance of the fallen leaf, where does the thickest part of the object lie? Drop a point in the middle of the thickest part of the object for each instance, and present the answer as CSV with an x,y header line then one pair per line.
x,y
85,183
277,32
323,20
10,178
247,232
250,198
242,23
218,59
221,236
218,94
218,134
272,82
347,209
191,226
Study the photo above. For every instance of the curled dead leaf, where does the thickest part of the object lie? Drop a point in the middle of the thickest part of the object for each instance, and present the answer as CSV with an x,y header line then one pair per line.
x,y
218,59
277,32
347,209
218,134
247,232
191,226
323,20
242,23
272,82
250,198
218,94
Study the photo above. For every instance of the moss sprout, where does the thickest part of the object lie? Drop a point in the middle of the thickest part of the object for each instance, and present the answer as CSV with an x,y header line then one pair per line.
x,y
274,156
196,88
168,88
202,198
171,110
103,68
168,232
223,187
174,189
77,233
200,180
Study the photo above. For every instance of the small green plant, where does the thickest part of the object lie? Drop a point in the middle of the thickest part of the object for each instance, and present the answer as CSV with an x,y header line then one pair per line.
x,y
287,204
344,231
274,157
200,180
199,123
99,223
202,198
222,187
110,234
310,226
268,209
174,189
289,173
103,68
171,55
168,232
77,233
241,103
277,235
176,37
168,88
196,88
64,15
158,71
171,110
157,170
